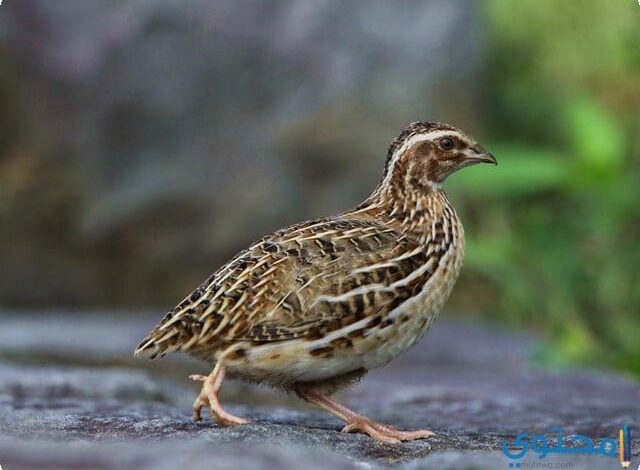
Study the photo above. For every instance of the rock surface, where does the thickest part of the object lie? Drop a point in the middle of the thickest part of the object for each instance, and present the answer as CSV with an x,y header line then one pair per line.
x,y
73,398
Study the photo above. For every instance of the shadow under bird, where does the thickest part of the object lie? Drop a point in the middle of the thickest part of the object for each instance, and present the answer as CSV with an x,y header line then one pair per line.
x,y
312,307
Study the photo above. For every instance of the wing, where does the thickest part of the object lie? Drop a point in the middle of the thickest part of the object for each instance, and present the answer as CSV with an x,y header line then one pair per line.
x,y
300,282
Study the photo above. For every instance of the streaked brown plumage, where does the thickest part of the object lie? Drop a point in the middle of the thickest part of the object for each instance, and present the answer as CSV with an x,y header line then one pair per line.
x,y
312,307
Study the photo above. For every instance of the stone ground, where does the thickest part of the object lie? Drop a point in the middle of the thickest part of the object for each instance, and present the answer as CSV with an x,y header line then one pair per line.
x,y
72,396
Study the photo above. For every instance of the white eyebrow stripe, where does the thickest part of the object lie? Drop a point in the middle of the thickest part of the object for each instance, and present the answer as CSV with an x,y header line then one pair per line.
x,y
432,135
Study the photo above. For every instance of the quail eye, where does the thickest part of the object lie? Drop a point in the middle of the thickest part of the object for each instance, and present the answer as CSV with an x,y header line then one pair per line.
x,y
446,143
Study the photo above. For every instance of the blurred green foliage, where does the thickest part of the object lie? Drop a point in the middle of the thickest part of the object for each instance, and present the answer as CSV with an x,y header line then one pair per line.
x,y
556,227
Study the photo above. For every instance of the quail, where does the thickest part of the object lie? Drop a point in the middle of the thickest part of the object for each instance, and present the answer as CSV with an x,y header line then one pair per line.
x,y
312,307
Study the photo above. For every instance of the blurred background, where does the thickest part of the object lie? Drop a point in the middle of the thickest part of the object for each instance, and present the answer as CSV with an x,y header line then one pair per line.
x,y
144,142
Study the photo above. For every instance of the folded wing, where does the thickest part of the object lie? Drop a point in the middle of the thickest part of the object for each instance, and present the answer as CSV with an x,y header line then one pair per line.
x,y
300,282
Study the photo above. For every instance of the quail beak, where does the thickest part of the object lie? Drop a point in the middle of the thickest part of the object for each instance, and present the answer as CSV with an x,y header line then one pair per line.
x,y
482,158
480,155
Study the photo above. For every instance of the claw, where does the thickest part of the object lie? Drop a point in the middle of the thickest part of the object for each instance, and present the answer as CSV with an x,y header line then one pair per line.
x,y
384,433
209,397
371,432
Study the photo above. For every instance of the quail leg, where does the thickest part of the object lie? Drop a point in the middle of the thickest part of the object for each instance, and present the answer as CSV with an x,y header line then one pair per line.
x,y
359,423
209,397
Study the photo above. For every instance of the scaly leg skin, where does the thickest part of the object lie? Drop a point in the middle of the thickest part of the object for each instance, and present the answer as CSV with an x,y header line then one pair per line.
x,y
359,423
209,397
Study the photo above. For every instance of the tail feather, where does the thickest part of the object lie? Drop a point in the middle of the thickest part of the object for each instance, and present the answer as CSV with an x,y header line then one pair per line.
x,y
158,343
